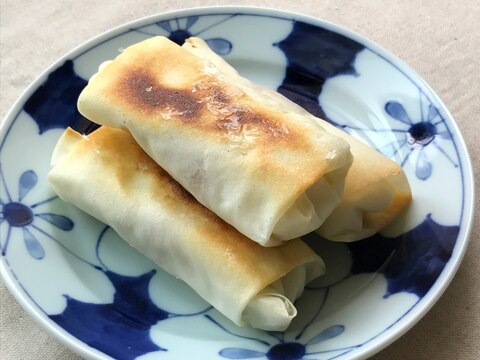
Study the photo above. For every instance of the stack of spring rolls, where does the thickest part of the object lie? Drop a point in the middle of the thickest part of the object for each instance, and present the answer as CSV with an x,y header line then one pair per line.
x,y
215,178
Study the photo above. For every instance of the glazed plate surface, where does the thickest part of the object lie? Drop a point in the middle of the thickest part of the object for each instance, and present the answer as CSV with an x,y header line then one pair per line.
x,y
104,300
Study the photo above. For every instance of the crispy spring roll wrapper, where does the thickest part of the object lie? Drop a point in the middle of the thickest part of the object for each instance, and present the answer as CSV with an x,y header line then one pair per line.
x,y
272,175
109,176
376,188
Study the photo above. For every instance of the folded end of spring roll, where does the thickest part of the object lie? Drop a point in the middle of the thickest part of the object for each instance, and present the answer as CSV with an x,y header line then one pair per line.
x,y
279,317
107,175
376,192
363,215
376,189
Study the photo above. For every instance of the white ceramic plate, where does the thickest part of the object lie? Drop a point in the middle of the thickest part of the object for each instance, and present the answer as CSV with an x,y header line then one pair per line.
x,y
102,299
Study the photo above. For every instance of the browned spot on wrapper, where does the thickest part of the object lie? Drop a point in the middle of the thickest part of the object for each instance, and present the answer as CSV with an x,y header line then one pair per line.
x,y
208,105
143,90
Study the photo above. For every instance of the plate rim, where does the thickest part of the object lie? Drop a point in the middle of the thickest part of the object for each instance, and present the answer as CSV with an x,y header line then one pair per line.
x,y
376,344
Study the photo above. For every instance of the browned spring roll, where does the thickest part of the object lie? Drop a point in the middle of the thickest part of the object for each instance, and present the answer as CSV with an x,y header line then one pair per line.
x,y
109,176
273,175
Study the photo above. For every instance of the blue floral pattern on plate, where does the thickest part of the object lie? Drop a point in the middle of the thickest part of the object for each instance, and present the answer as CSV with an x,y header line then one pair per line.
x,y
17,213
178,30
415,135
418,135
135,315
132,312
314,55
53,104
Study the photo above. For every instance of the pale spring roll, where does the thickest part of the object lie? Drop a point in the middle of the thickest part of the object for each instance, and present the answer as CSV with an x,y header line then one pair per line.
x,y
109,176
272,175
376,188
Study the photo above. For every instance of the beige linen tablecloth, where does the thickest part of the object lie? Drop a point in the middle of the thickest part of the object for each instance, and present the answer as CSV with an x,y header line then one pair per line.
x,y
440,39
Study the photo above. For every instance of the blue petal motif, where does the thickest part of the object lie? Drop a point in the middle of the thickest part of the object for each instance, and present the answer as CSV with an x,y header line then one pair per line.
x,y
239,353
191,20
220,46
423,168
165,25
327,334
314,55
26,183
54,103
397,111
60,221
120,329
33,246
411,262
432,112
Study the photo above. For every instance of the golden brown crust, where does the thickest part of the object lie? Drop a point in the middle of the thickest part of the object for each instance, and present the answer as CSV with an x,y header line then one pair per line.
x,y
191,96
210,105
188,116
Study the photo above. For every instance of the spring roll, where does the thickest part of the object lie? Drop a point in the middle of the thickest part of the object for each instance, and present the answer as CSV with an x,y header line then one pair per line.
x,y
376,188
271,174
107,175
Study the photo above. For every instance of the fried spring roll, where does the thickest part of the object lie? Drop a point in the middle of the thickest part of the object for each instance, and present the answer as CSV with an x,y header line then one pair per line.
x,y
272,174
107,175
376,188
